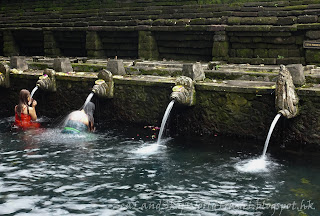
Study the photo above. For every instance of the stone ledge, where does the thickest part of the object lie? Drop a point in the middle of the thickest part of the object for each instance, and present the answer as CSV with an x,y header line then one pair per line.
x,y
262,28
238,86
146,80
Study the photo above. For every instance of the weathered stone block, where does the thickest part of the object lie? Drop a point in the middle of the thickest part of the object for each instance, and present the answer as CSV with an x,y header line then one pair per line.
x,y
308,19
267,61
313,34
278,53
294,53
287,20
198,21
194,71
62,65
312,56
147,48
297,73
96,53
282,40
259,20
234,20
260,53
219,38
257,39
290,60
244,53
18,62
116,67
220,49
93,41
183,22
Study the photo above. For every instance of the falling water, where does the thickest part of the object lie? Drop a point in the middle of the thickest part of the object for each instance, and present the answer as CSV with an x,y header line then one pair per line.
x,y
273,124
88,99
33,91
164,120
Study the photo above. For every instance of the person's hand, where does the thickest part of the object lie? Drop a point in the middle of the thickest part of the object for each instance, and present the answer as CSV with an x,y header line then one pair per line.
x,y
34,103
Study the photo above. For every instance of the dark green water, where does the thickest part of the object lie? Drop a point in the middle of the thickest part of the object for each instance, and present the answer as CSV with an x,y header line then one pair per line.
x,y
48,173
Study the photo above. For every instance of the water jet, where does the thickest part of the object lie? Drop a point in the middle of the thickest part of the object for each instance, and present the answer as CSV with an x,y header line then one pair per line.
x,y
286,101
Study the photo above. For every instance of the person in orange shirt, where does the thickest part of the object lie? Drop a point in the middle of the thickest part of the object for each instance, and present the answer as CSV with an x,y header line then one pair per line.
x,y
25,111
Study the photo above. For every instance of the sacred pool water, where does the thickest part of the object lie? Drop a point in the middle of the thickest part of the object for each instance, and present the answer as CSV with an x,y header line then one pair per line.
x,y
44,172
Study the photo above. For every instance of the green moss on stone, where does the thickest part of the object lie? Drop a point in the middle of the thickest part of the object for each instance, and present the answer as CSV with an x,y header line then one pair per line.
x,y
87,67
220,49
296,7
244,53
313,56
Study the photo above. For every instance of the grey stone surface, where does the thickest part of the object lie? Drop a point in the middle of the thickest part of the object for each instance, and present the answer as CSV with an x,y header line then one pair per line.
x,y
116,67
297,73
4,75
62,65
286,97
313,34
19,62
194,71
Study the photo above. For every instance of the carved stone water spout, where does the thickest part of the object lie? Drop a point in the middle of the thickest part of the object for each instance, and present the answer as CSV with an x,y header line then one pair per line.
x,y
183,92
286,96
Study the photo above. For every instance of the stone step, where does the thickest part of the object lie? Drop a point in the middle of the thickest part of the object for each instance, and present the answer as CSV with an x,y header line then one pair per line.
x,y
240,75
246,67
159,64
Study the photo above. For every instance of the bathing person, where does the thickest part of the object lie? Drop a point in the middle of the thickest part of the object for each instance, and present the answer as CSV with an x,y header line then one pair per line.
x,y
80,120
25,111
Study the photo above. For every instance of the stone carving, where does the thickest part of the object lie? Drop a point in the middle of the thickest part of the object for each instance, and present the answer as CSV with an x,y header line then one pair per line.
x,y
4,75
116,67
286,97
104,85
194,71
183,92
62,65
297,73
19,62
47,81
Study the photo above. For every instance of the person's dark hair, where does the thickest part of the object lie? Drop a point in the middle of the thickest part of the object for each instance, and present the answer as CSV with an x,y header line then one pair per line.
x,y
23,100
89,110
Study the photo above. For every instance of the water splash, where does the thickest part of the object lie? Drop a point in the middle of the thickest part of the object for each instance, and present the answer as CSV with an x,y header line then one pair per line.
x,y
33,91
164,121
150,149
88,100
253,165
273,124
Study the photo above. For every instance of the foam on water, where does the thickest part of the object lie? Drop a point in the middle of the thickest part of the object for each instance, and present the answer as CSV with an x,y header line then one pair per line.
x,y
149,149
256,165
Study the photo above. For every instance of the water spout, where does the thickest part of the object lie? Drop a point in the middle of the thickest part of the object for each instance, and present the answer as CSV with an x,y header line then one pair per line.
x,y
104,85
183,92
273,124
4,75
286,97
47,81
164,121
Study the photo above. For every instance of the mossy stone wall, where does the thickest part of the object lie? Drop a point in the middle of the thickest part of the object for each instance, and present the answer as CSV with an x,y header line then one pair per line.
x,y
255,32
1,44
217,112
